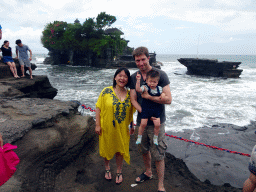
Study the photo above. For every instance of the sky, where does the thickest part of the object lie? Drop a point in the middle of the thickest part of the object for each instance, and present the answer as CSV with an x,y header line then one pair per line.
x,y
164,26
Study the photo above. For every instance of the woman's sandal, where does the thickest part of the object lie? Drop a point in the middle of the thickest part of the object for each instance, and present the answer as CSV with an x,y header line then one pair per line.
x,y
118,175
107,172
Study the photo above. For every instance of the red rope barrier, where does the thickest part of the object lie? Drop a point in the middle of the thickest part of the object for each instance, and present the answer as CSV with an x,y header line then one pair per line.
x,y
213,147
92,110
187,140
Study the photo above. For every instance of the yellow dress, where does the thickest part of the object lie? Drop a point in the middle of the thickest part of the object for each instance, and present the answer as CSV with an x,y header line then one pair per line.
x,y
115,117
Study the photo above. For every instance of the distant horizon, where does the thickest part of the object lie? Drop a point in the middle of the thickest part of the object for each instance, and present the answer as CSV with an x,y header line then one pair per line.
x,y
201,54
46,53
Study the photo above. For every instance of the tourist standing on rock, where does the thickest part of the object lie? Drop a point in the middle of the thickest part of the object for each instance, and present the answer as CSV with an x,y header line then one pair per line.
x,y
7,58
22,54
114,114
148,149
250,183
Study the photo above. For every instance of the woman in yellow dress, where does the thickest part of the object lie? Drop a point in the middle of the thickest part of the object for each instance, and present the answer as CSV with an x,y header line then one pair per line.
x,y
114,114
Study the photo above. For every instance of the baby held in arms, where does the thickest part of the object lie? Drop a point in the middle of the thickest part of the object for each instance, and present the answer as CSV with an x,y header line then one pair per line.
x,y
150,109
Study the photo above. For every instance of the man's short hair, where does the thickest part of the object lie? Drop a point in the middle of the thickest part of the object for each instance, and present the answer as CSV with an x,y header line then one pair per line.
x,y
153,74
18,41
140,51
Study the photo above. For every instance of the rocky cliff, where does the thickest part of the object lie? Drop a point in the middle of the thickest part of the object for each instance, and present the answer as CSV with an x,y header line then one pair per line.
x,y
11,87
5,69
49,134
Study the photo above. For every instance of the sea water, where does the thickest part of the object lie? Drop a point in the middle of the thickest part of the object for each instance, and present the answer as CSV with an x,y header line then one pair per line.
x,y
197,101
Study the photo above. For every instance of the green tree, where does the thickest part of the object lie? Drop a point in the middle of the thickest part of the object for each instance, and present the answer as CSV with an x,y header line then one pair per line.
x,y
88,37
104,20
53,35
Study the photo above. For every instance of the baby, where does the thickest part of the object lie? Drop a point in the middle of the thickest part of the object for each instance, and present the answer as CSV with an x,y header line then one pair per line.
x,y
150,109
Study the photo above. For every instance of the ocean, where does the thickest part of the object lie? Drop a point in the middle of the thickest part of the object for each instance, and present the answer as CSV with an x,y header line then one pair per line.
x,y
197,101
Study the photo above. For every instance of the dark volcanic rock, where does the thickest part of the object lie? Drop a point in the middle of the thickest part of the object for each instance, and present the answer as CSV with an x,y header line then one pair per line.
x,y
211,67
38,87
219,167
6,72
18,116
11,87
47,141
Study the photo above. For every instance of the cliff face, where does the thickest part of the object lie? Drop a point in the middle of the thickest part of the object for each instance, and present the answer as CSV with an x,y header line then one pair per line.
x,y
39,87
105,62
11,87
49,134
5,69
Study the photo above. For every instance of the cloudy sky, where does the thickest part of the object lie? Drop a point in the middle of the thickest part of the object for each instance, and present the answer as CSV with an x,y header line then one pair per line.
x,y
164,26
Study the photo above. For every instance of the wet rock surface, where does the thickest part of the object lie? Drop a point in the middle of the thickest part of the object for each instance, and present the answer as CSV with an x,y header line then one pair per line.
x,y
6,72
217,166
10,87
38,87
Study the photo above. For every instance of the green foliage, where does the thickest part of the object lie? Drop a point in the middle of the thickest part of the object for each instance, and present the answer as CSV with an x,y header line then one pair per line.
x,y
52,35
104,20
89,36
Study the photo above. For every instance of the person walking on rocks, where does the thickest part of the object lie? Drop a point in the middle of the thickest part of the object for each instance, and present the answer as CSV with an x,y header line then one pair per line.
x,y
7,58
147,147
250,183
21,52
114,114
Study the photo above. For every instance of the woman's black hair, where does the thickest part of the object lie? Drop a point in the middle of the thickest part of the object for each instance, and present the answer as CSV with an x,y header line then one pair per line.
x,y
127,72
5,42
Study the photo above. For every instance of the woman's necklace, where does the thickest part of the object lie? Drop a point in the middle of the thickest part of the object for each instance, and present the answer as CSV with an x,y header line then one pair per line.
x,y
120,93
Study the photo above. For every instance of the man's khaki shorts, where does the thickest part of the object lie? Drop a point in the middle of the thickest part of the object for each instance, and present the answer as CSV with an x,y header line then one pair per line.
x,y
25,62
157,151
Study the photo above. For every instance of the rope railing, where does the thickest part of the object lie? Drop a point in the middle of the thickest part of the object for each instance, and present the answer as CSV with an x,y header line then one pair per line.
x,y
183,139
209,146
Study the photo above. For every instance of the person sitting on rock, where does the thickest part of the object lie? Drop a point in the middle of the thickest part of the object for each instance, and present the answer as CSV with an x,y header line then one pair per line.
x,y
7,58
250,183
21,52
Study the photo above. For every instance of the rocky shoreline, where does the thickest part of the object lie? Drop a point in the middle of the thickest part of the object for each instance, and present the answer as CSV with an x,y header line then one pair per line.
x,y
219,167
5,69
58,148
121,61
